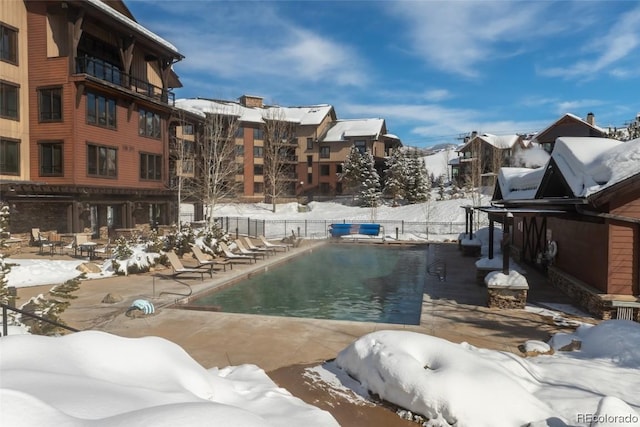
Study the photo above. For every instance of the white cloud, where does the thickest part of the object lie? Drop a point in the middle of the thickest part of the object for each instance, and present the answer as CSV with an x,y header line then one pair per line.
x,y
574,106
619,43
457,36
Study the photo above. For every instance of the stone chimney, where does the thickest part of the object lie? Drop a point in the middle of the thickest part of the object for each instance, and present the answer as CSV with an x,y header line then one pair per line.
x,y
251,101
591,119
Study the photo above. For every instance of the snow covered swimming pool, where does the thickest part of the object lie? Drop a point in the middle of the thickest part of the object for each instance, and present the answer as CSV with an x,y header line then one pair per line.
x,y
367,283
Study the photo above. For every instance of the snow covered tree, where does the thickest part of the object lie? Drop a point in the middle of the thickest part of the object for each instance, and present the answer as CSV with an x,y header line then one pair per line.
x,y
4,267
370,188
50,308
418,185
396,174
360,176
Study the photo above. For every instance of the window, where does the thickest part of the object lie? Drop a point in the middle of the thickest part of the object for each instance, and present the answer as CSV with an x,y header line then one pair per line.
x,y
8,44
239,150
258,151
148,124
258,169
51,158
240,132
309,143
101,111
240,169
187,130
258,134
325,152
9,156
9,100
361,146
150,166
309,178
50,104
258,187
309,160
102,161
338,188
325,188
325,170
339,168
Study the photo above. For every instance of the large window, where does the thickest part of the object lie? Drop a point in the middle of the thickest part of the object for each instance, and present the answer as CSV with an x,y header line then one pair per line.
x,y
309,143
258,151
50,104
325,152
361,146
101,111
325,170
149,124
258,169
258,134
239,150
51,159
8,44
9,100
150,166
9,156
258,187
102,161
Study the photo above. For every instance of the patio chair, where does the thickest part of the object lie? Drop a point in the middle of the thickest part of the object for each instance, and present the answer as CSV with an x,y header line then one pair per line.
x,y
35,237
202,259
245,251
249,244
45,245
228,254
178,268
104,250
275,246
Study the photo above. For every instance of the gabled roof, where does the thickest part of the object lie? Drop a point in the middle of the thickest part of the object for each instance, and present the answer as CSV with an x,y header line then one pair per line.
x,y
502,142
579,168
566,117
343,129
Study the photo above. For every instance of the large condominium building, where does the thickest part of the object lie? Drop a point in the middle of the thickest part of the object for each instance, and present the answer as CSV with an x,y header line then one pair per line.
x,y
85,98
317,143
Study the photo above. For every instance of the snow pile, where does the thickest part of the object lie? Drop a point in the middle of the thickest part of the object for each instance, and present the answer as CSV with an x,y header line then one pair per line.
x,y
498,278
458,384
94,378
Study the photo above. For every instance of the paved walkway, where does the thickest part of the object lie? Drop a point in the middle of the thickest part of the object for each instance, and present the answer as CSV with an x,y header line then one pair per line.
x,y
454,309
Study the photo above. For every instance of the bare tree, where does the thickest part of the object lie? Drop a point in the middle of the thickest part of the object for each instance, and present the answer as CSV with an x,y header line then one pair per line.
x,y
279,155
216,166
182,151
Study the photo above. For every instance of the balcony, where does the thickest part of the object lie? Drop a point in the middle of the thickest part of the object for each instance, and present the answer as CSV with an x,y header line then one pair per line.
x,y
110,73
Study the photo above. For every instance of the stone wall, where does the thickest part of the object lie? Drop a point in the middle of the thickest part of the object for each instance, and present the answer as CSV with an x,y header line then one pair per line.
x,y
506,297
588,298
45,216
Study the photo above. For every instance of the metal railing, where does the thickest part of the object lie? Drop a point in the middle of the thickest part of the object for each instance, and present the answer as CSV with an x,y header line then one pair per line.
x,y
108,72
5,319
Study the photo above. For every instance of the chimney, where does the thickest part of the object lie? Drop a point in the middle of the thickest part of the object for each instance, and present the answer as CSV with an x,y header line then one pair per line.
x,y
591,119
251,101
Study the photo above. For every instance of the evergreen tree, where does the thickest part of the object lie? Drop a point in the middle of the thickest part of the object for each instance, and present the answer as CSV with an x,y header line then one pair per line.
x,y
50,308
351,175
4,267
370,186
396,174
418,186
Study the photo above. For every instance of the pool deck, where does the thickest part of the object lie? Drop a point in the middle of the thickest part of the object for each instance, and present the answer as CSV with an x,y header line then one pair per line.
x,y
454,309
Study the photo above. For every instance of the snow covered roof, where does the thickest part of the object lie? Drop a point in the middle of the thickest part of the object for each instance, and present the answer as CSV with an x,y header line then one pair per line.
x,y
566,115
342,129
310,115
589,165
502,142
98,4
519,183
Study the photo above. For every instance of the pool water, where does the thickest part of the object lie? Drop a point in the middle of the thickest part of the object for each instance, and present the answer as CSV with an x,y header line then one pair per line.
x,y
340,282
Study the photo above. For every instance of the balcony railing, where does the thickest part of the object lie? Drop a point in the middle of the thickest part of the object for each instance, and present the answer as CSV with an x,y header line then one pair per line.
x,y
112,74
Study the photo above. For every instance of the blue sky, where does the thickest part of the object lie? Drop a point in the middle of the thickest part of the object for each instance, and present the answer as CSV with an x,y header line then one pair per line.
x,y
432,70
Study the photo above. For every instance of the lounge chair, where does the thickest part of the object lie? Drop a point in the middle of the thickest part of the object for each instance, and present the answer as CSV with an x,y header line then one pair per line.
x,y
234,257
249,244
245,251
178,268
104,250
203,260
35,237
274,246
